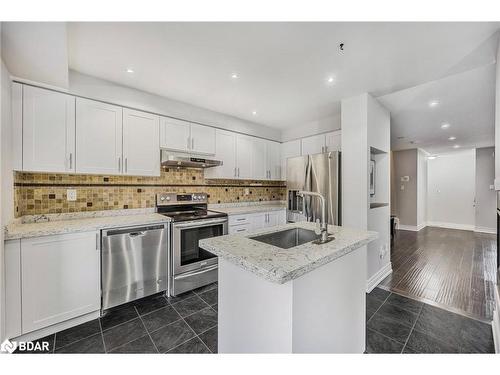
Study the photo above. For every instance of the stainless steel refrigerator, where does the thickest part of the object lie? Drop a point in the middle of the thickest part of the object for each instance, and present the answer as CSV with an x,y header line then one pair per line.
x,y
319,173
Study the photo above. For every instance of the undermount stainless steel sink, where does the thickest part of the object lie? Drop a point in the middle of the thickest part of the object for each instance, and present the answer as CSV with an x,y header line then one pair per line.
x,y
288,238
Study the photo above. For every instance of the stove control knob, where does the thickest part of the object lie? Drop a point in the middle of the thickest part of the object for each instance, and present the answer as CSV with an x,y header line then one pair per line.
x,y
162,198
168,198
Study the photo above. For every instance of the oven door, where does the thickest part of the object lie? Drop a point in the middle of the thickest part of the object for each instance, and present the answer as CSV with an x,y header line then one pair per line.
x,y
186,254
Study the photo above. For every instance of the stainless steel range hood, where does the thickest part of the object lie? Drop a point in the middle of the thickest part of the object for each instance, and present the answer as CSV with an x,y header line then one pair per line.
x,y
171,159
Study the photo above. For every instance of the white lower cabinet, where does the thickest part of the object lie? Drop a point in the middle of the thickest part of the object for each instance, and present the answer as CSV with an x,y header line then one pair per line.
x,y
251,222
60,278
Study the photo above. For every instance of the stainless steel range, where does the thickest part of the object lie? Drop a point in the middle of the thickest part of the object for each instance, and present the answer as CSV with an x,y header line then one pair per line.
x,y
190,266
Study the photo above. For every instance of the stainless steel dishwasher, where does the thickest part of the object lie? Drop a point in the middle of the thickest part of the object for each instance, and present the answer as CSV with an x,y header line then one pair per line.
x,y
134,263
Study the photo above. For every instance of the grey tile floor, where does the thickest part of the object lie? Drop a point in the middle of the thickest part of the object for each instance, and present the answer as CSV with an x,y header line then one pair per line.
x,y
188,324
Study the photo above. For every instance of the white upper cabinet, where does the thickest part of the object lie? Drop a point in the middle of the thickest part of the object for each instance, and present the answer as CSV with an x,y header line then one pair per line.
x,y
175,134
202,139
48,131
178,135
259,159
313,145
141,145
244,156
289,149
98,137
225,142
273,160
333,141
60,278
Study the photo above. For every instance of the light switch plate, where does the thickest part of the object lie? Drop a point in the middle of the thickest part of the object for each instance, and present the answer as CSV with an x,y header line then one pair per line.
x,y
71,195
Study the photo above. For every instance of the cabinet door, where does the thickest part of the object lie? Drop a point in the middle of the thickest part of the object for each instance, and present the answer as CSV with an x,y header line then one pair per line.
x,y
98,137
60,278
281,217
333,141
259,220
272,218
175,134
141,143
48,131
288,150
273,160
244,154
225,150
202,139
259,158
313,145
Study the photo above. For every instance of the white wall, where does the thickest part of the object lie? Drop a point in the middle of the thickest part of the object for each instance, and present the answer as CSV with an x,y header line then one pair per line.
x,y
451,189
497,121
485,219
2,259
421,188
92,87
324,125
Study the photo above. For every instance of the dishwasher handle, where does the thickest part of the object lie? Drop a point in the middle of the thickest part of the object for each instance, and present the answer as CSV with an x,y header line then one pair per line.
x,y
133,231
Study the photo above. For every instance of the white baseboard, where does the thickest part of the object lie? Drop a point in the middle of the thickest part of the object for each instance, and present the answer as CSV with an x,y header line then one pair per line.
x,y
378,277
450,225
485,230
495,325
413,228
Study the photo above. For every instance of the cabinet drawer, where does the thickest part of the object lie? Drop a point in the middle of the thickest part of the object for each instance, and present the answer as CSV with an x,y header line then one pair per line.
x,y
239,219
243,228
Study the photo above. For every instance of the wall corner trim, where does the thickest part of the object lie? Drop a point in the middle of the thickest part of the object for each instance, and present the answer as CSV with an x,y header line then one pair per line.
x,y
378,277
495,325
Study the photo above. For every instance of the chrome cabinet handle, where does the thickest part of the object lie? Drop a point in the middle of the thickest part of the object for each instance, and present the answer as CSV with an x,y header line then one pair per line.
x,y
188,142
234,171
119,164
70,160
126,165
238,171
192,143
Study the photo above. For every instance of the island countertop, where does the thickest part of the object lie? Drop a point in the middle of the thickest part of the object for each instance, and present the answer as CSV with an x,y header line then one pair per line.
x,y
282,265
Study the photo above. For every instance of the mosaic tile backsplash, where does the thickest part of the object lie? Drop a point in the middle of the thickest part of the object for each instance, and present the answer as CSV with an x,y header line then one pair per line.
x,y
42,193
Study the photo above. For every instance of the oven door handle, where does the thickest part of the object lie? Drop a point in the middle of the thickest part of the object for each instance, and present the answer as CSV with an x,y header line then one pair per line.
x,y
200,223
199,272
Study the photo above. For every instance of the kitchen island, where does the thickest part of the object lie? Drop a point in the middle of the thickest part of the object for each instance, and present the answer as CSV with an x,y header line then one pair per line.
x,y
281,293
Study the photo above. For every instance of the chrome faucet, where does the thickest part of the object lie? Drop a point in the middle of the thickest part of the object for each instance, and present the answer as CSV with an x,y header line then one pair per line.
x,y
324,221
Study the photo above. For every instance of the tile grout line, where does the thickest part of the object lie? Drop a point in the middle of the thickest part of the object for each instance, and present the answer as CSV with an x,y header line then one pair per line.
x,y
195,334
412,328
376,309
102,336
146,329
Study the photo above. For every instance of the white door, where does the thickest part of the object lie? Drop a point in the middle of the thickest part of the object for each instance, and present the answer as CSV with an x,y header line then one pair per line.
x,y
48,131
225,151
273,218
259,220
175,134
98,137
259,159
313,145
60,278
333,141
244,154
288,150
273,160
141,143
202,139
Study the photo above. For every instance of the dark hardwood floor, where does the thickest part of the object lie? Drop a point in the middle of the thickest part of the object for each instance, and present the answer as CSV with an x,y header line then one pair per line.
x,y
450,268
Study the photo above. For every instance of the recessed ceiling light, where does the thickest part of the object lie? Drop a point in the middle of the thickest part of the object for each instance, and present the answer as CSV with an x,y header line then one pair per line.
x,y
445,125
452,138
254,113
432,157
235,76
401,137
130,70
433,103
330,80
456,146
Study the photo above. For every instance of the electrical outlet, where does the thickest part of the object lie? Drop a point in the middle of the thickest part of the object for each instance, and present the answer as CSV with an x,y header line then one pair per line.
x,y
71,195
247,191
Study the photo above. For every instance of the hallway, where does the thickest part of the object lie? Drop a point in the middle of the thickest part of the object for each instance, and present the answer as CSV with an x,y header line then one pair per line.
x,y
452,269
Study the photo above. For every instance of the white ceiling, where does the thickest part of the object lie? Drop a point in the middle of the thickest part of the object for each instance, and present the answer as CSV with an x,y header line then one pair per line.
x,y
466,102
283,67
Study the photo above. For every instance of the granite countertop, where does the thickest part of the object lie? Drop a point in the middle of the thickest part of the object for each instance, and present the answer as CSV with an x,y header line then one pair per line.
x,y
79,223
248,209
281,265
